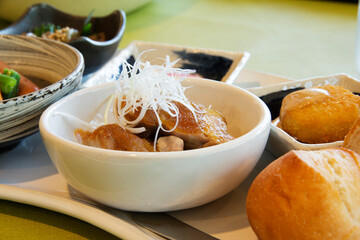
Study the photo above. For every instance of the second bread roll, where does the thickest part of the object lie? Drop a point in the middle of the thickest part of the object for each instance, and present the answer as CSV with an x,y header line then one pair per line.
x,y
307,195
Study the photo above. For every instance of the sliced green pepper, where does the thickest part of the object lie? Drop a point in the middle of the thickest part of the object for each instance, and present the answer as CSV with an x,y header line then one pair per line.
x,y
8,86
12,73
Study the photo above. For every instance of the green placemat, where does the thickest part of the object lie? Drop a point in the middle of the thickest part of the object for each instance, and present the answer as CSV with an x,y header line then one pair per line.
x,y
296,39
20,221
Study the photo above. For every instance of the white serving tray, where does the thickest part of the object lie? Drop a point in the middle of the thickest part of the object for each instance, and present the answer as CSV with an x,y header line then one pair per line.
x,y
28,176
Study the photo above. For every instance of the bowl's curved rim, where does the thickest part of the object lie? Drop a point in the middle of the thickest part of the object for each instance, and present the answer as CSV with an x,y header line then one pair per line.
x,y
78,69
262,125
117,37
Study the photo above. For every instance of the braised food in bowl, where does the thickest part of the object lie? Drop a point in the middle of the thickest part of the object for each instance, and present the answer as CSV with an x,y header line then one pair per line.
x,y
157,181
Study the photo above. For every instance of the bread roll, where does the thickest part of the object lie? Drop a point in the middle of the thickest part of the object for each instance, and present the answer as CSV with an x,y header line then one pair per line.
x,y
319,115
307,195
352,138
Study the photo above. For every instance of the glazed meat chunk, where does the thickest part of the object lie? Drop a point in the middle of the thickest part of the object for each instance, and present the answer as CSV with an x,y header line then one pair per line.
x,y
112,136
208,128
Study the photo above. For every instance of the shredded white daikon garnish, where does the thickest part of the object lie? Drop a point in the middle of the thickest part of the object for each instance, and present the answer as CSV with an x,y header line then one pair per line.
x,y
144,86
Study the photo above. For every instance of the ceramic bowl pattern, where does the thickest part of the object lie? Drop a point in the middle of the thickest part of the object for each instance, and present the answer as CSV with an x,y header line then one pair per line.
x,y
279,141
158,181
56,63
95,53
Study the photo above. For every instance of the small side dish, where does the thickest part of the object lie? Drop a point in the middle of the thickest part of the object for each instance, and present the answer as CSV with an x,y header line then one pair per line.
x,y
321,126
45,71
212,64
41,18
150,109
65,33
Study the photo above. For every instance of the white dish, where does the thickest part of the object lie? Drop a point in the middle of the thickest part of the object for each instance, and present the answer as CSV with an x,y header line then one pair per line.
x,y
28,176
227,62
279,141
158,181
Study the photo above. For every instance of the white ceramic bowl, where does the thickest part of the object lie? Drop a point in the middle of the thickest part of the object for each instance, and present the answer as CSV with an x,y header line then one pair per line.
x,y
58,64
158,181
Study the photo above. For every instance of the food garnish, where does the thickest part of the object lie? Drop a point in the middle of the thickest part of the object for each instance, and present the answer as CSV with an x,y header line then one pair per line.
x,y
87,29
66,34
143,86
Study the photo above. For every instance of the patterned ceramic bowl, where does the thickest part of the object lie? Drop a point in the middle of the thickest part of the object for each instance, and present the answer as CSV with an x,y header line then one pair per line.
x,y
55,67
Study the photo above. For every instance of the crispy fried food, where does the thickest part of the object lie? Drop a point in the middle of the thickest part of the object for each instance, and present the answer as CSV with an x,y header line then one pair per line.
x,y
319,115
112,136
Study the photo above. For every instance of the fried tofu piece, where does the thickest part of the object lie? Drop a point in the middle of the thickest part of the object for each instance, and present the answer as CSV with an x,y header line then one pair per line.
x,y
319,115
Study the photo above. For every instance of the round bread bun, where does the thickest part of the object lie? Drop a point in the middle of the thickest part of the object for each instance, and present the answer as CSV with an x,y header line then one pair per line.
x,y
307,195
319,115
352,138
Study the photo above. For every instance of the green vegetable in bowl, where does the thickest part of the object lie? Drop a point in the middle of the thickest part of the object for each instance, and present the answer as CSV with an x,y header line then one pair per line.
x,y
66,34
87,27
9,83
44,28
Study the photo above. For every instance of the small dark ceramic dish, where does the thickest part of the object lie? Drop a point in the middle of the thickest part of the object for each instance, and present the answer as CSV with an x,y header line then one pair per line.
x,y
95,53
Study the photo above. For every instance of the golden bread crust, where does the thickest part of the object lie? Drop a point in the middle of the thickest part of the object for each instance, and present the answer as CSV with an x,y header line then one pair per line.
x,y
352,138
307,195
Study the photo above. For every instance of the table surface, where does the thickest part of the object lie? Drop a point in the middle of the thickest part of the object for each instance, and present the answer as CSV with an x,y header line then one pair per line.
x,y
296,39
